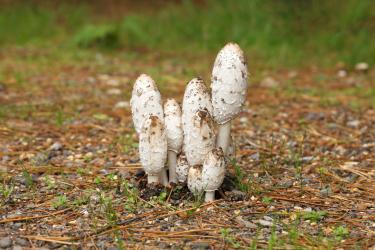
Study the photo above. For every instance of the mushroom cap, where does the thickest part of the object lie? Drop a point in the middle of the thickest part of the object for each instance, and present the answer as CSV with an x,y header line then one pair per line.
x,y
213,169
195,183
196,97
145,101
229,83
173,125
182,168
153,145
199,137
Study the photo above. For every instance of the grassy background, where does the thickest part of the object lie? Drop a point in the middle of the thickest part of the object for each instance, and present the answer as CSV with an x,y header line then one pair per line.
x,y
281,33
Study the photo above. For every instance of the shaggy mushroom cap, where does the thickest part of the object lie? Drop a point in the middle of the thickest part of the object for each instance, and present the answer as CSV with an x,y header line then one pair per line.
x,y
153,145
213,170
196,97
182,168
173,125
145,101
199,137
195,183
229,83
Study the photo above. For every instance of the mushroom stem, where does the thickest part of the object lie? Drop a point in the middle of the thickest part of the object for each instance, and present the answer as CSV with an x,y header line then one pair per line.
x,y
152,179
172,163
163,177
223,137
209,196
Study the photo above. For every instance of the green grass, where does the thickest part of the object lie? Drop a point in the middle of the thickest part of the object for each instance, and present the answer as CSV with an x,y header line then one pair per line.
x,y
284,33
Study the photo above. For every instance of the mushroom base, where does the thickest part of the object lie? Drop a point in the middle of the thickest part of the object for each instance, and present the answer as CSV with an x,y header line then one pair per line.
x,y
152,179
172,163
209,196
223,137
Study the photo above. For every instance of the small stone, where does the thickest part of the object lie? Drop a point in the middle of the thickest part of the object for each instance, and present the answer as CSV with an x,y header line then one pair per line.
x,y
5,242
267,218
353,124
269,82
122,104
244,120
21,242
307,159
114,91
361,67
16,247
245,223
342,73
265,223
255,156
56,146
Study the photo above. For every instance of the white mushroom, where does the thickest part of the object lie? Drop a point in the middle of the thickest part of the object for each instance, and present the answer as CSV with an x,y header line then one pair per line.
x,y
153,147
213,172
195,183
196,97
199,137
173,127
182,168
229,89
145,100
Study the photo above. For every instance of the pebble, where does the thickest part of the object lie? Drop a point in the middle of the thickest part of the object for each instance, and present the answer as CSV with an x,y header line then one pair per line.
x,y
307,158
245,223
114,91
56,146
5,242
265,223
21,242
342,73
16,247
353,124
122,104
361,67
269,82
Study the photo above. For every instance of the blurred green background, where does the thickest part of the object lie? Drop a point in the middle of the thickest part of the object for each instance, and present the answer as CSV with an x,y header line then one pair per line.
x,y
280,33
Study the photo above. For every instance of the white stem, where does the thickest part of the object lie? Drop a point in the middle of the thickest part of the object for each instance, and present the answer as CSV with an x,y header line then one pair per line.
x,y
172,164
152,179
163,177
209,196
223,137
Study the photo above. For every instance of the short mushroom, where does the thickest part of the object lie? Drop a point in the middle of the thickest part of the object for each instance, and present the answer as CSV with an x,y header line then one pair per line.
x,y
229,89
213,172
145,100
199,137
173,126
182,168
153,147
195,183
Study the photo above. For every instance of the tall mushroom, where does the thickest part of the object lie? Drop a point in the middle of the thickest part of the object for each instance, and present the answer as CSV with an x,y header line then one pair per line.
x,y
199,137
229,89
173,127
146,101
213,172
153,147
197,122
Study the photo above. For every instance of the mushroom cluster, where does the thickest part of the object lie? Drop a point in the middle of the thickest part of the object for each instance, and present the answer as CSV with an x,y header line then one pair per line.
x,y
192,141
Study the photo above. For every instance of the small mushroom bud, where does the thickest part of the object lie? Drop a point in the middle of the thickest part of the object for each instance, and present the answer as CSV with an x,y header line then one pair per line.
x,y
145,101
229,89
195,183
173,127
213,172
153,147
182,168
196,97
199,137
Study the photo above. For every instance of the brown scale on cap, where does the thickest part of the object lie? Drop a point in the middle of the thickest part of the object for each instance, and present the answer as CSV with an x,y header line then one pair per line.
x,y
218,152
